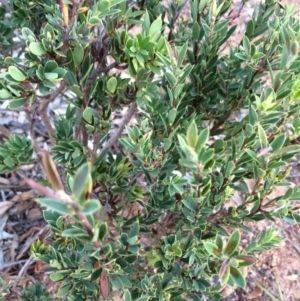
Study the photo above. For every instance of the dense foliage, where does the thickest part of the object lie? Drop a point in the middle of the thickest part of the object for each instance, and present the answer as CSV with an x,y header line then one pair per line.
x,y
144,211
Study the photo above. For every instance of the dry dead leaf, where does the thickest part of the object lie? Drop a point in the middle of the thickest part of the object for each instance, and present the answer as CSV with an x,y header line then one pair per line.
x,y
4,206
25,196
257,292
104,284
291,277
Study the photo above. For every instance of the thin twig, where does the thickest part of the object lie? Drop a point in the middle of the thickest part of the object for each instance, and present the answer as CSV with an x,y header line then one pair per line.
x,y
227,116
43,107
117,134
22,271
6,5
174,19
4,131
11,264
31,131
51,97
48,126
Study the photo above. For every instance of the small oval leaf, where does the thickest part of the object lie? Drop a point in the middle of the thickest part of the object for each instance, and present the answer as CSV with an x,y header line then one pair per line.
x,y
112,85
37,48
16,73
233,242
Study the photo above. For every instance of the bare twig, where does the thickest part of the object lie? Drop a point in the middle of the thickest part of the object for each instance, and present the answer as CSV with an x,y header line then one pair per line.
x,y
22,271
48,126
43,107
174,19
131,111
6,5
51,97
227,116
115,65
4,131
31,130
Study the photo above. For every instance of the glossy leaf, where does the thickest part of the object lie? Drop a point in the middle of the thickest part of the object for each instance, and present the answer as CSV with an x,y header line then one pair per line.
x,y
127,295
17,103
233,243
192,134
112,85
37,48
237,277
55,205
78,54
81,179
16,73
212,249
90,206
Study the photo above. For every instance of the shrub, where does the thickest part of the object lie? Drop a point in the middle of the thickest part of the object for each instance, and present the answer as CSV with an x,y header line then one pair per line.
x,y
144,211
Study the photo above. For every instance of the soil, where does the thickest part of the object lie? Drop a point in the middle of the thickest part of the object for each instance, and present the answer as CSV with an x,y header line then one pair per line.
x,y
276,272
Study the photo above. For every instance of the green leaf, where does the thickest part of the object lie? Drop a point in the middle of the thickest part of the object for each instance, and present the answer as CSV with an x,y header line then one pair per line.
x,y
88,115
127,295
94,20
237,277
17,74
207,156
57,276
103,230
90,207
58,206
246,45
96,274
290,149
172,115
278,142
250,29
37,48
253,117
81,179
262,136
202,5
202,138
192,134
155,28
233,243
74,232
51,76
104,5
4,94
195,297
212,249
170,78
8,161
78,54
196,31
134,230
181,55
230,166
108,13
64,289
167,143
112,84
